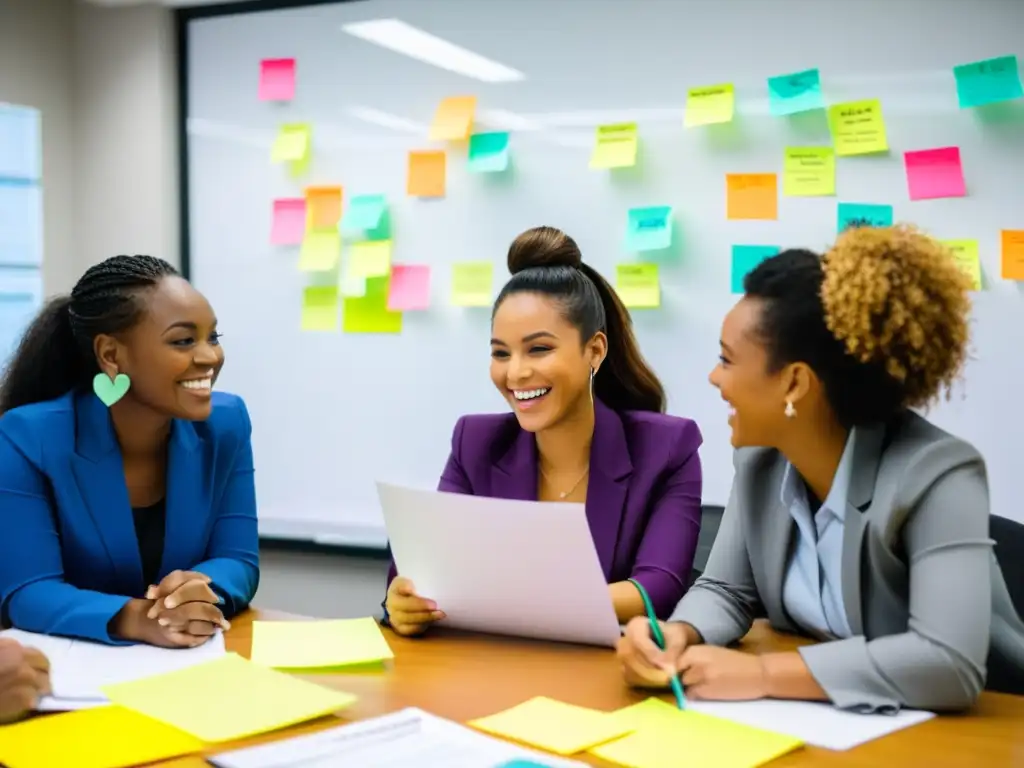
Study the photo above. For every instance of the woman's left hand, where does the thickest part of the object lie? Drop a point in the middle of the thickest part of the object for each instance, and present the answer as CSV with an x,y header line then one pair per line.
x,y
709,672
184,601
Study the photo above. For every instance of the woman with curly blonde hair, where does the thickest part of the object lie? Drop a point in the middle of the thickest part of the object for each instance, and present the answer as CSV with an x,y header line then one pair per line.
x,y
852,519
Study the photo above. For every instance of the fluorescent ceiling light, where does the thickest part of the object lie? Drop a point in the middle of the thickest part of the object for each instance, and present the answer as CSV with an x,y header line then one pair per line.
x,y
402,38
386,119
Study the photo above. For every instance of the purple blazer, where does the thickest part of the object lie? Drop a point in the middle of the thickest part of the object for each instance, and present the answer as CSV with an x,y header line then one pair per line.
x,y
643,493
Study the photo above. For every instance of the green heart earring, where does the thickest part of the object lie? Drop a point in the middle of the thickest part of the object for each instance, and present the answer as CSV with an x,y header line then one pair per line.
x,y
108,390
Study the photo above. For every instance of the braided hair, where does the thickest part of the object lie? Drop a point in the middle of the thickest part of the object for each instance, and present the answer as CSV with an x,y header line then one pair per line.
x,y
56,354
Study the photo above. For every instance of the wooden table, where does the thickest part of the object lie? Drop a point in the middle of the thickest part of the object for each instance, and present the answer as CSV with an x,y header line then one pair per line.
x,y
461,676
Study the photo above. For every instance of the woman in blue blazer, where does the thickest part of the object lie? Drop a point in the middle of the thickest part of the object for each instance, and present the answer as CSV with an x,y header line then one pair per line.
x,y
127,503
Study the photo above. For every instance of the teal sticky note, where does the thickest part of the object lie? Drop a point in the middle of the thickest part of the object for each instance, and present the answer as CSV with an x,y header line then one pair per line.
x,y
795,92
649,229
488,152
988,81
745,258
364,213
863,215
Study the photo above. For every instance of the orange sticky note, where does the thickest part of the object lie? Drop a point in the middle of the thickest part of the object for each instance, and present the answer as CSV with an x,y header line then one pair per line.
x,y
454,119
1013,254
426,174
752,195
323,207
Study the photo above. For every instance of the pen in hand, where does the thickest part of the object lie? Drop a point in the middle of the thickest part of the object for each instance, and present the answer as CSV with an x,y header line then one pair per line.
x,y
673,676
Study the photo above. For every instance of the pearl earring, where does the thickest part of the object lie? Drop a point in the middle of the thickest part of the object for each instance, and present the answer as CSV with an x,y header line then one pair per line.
x,y
790,409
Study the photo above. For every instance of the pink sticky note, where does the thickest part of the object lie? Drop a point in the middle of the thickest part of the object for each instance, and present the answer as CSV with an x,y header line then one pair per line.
x,y
277,79
935,173
289,223
410,287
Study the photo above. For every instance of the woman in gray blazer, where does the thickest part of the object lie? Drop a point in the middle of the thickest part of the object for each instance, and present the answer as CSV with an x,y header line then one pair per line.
x,y
851,519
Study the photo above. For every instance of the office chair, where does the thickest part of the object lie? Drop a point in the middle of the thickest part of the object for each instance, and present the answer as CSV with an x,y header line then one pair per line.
x,y
1003,675
710,520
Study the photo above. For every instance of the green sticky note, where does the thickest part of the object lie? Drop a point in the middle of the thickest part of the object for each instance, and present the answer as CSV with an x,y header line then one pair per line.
x,y
320,251
795,92
488,152
370,258
988,81
369,313
638,286
472,284
649,229
365,213
745,258
320,308
863,215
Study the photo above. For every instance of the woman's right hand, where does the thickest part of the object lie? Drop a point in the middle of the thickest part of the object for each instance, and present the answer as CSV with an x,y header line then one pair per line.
x,y
644,664
408,613
133,623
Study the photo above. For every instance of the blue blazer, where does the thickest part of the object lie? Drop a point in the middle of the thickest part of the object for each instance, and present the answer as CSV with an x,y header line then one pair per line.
x,y
69,556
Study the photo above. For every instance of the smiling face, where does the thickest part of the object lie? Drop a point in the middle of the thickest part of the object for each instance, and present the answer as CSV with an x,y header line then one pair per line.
x,y
172,355
539,363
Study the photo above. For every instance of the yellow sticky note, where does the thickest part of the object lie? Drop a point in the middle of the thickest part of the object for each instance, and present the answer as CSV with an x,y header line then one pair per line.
x,y
454,119
553,725
369,313
661,733
318,644
710,104
638,286
320,306
426,174
227,698
105,737
320,251
369,258
293,145
615,146
966,254
1013,254
752,196
809,171
858,127
472,284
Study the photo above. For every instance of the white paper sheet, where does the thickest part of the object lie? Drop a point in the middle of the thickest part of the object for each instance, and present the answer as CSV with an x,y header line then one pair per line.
x,y
410,738
79,668
816,723
508,567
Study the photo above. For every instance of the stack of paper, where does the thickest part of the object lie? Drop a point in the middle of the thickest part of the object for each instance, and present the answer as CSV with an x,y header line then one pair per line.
x,y
323,645
79,669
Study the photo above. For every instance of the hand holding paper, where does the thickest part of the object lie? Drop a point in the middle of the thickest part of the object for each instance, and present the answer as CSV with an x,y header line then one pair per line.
x,y
408,613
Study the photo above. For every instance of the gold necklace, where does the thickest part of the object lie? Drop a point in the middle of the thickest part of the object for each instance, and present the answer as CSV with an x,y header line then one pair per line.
x,y
574,485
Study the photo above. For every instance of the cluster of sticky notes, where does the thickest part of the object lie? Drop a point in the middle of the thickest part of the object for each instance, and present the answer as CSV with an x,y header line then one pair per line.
x,y
651,734
319,645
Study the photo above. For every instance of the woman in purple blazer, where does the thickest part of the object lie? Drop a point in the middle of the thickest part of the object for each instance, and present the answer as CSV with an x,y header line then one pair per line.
x,y
588,425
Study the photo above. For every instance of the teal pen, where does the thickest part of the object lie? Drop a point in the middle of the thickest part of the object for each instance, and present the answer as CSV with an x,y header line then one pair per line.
x,y
659,638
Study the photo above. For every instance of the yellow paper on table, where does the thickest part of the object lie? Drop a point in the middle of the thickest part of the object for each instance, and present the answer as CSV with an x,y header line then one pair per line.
x,y
553,725
105,737
858,127
472,284
615,146
710,104
662,735
638,286
369,258
318,644
809,171
320,251
369,313
966,254
454,119
227,698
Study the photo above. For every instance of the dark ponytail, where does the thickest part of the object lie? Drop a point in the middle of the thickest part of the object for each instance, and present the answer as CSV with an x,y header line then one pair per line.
x,y
546,260
55,355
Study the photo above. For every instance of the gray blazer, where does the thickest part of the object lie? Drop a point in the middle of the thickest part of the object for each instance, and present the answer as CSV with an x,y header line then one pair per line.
x,y
924,596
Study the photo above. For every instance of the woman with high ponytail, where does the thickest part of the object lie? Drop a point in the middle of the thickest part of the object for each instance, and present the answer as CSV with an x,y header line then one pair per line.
x,y
587,426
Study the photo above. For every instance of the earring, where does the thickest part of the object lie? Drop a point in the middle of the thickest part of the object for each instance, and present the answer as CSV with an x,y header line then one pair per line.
x,y
593,373
110,390
790,409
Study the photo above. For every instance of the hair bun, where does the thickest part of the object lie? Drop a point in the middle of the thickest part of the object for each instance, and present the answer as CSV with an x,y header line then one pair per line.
x,y
543,247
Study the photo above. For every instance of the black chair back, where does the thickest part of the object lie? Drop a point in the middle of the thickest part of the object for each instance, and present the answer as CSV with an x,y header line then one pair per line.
x,y
710,520
1009,549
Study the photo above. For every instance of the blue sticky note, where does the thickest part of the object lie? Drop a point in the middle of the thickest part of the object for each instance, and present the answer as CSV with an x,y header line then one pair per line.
x,y
863,215
988,81
745,258
20,143
364,213
795,92
488,152
21,223
649,229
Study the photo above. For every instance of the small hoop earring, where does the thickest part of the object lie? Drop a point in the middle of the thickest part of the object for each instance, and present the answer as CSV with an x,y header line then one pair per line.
x,y
790,409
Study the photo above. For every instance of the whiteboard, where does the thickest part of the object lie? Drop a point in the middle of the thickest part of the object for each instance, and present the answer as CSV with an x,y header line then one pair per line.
x,y
332,413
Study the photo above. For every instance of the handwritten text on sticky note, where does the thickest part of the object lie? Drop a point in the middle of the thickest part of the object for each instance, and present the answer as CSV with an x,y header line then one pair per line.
x,y
1013,254
710,104
863,215
615,146
795,92
965,252
858,127
933,173
638,285
809,171
988,82
649,229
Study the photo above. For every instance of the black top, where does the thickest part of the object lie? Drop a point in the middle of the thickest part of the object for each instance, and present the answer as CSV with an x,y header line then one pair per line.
x,y
149,529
